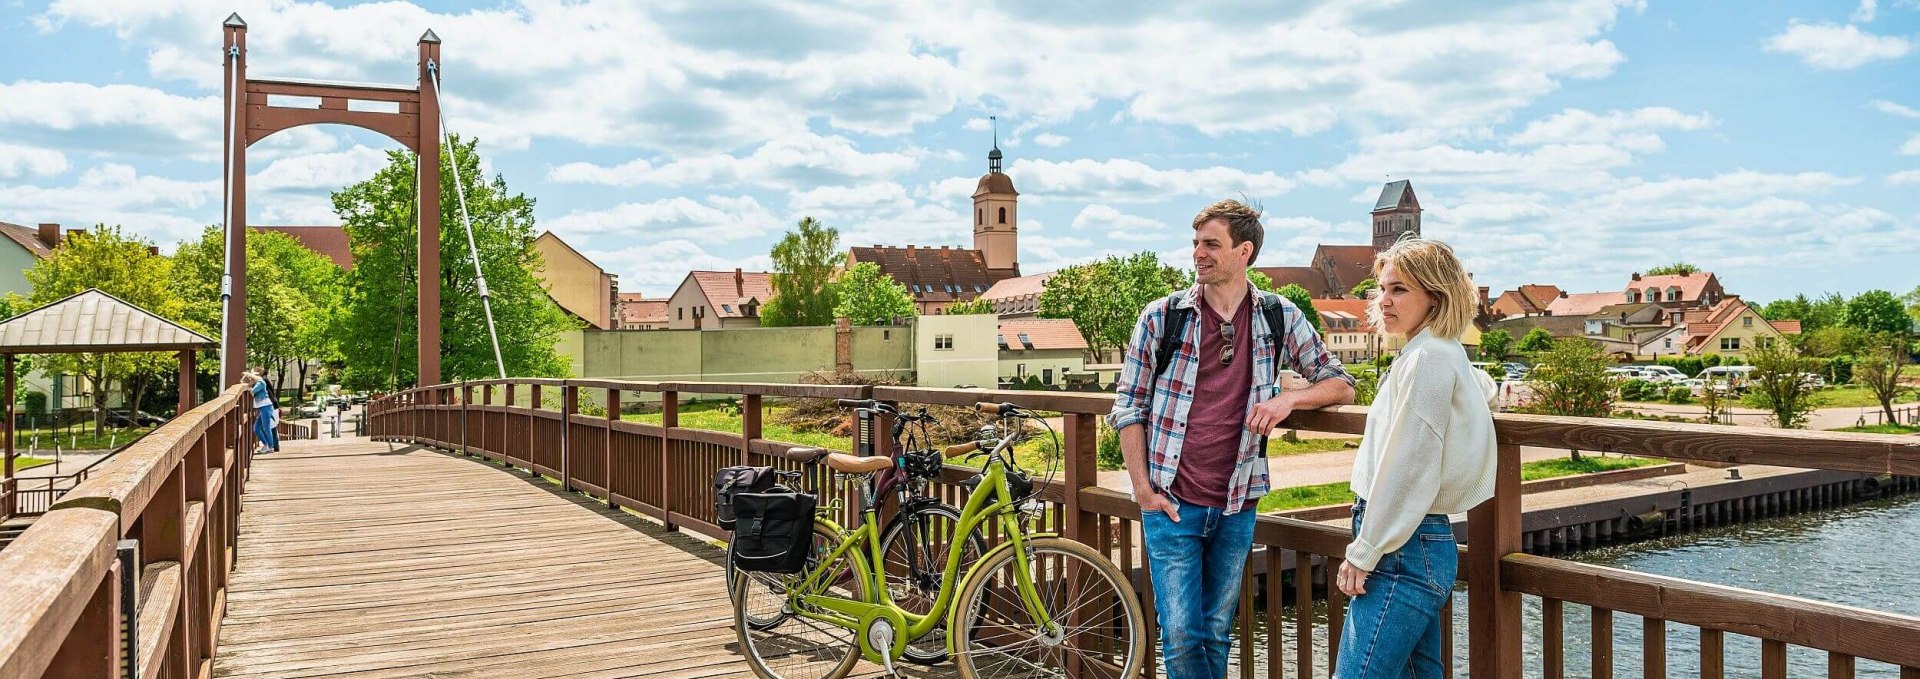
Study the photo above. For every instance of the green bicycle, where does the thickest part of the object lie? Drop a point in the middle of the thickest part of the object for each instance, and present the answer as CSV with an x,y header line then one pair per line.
x,y
1035,605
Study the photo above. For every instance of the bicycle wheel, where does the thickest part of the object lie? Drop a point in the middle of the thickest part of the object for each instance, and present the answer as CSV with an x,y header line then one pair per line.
x,y
824,541
915,546
780,644
1099,630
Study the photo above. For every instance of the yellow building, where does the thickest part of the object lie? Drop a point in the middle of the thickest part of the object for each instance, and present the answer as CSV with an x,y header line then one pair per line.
x,y
577,284
1732,327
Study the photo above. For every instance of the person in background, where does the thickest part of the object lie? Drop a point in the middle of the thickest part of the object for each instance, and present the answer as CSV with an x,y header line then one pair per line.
x,y
266,425
1428,452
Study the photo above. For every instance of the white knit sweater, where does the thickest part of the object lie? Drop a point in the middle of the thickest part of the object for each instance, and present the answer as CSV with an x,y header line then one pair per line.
x,y
1429,445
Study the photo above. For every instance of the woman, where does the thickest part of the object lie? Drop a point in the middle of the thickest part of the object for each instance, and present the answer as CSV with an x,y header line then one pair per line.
x,y
264,425
1428,452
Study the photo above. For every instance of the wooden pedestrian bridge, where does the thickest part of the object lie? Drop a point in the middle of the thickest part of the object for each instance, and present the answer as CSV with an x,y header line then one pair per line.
x,y
507,529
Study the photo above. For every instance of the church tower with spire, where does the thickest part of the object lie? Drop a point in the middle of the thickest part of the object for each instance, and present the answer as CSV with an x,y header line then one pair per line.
x,y
996,214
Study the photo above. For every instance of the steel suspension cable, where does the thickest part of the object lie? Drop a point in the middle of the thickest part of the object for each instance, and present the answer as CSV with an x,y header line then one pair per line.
x,y
226,207
460,192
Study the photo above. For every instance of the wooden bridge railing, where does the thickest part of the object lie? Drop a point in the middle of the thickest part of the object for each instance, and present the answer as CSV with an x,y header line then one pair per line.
x,y
126,574
663,471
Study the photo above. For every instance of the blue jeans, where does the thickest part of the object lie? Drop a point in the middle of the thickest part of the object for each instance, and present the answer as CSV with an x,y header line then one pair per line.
x,y
266,434
1197,565
1394,629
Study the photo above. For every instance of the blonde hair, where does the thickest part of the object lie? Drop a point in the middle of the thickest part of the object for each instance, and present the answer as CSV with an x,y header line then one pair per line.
x,y
1430,266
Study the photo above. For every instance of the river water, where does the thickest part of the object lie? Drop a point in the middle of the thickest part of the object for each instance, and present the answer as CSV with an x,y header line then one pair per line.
x,y
1863,555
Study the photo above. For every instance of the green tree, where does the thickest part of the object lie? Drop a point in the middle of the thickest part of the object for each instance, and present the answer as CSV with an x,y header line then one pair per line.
x,y
1877,311
1828,311
125,266
869,297
1303,299
1837,340
377,329
293,295
1104,299
1364,287
1535,341
1495,344
977,305
1673,269
1569,377
1879,369
1912,300
1778,383
803,286
1259,280
1796,309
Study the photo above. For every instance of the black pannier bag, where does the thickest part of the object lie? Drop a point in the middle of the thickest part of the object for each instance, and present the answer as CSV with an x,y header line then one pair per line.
x,y
732,481
773,531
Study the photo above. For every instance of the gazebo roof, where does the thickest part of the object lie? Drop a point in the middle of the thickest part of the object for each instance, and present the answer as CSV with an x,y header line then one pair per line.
x,y
96,322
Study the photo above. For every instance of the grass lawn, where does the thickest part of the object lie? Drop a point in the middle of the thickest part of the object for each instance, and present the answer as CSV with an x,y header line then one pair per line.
x,y
78,438
1032,454
1883,429
1279,448
23,462
1855,396
1339,493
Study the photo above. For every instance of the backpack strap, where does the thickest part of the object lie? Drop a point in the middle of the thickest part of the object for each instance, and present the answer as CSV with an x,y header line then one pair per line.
x,y
1276,313
1173,331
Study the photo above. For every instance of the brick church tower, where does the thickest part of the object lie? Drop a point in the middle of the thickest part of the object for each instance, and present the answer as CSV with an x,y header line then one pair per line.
x,y
1395,214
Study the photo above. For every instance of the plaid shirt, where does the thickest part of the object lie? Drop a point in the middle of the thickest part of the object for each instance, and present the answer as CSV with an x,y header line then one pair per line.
x,y
1162,404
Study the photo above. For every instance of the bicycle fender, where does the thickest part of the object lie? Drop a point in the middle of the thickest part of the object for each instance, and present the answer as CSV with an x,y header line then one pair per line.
x,y
953,609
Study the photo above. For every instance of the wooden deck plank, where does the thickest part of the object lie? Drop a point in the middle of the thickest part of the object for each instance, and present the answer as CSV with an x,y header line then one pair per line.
x,y
370,560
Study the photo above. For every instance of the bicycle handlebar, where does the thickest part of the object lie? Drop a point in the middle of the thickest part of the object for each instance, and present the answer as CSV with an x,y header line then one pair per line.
x,y
961,449
997,409
854,402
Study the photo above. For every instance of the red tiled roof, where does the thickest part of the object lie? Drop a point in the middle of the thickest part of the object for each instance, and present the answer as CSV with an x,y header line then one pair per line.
x,y
1356,308
942,274
725,292
1712,321
1692,285
1582,304
330,241
28,237
1539,295
1019,287
1303,276
1351,264
1786,327
1042,333
637,308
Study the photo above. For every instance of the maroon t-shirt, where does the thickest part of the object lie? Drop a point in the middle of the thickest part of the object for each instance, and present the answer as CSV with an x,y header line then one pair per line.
x,y
1219,411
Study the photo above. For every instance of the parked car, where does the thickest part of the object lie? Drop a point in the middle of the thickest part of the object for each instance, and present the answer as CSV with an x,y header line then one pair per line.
x,y
1734,376
1623,374
1662,373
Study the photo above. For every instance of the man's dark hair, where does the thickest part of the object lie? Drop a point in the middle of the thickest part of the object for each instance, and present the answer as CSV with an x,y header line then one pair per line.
x,y
1243,223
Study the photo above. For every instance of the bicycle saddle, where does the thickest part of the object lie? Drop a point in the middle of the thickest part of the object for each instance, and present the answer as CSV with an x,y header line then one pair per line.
x,y
853,464
805,455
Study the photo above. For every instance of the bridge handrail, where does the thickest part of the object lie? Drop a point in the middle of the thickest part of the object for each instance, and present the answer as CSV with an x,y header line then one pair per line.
x,y
1497,572
175,492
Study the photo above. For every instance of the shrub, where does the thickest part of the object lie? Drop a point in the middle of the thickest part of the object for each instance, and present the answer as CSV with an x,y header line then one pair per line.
x,y
36,402
1710,361
1691,365
1108,452
1680,395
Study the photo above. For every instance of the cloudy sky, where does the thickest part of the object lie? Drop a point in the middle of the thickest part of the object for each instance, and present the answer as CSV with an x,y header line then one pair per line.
x,y
1775,143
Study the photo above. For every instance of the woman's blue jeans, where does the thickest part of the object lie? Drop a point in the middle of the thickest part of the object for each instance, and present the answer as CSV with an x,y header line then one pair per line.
x,y
268,437
1394,629
1197,565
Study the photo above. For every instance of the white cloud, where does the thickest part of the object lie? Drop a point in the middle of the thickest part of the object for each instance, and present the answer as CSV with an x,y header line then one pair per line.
x,y
24,160
320,173
1831,47
119,119
1051,140
1128,181
1912,147
1636,130
112,193
1864,14
1904,178
717,219
1117,225
797,160
1893,109
657,268
883,213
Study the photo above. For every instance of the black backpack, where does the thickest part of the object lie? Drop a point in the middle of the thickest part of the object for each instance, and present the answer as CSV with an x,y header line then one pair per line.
x,y
1173,330
732,481
773,531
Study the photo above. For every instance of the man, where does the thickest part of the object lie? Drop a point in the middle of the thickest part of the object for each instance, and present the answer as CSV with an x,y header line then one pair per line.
x,y
1198,465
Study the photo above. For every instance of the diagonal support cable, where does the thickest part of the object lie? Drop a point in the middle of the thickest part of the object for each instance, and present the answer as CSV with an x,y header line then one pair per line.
x,y
460,192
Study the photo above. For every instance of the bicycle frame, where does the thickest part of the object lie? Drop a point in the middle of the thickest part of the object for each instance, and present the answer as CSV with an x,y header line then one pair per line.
x,y
992,500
